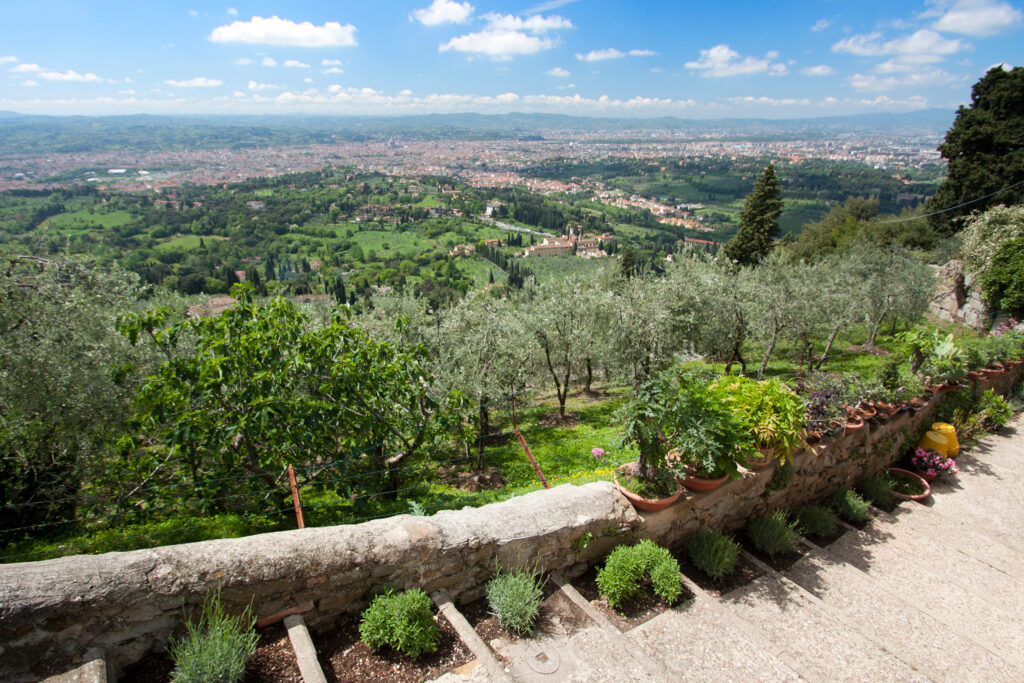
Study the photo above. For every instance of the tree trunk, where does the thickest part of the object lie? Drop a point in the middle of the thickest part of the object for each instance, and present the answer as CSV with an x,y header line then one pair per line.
x,y
767,354
828,345
590,376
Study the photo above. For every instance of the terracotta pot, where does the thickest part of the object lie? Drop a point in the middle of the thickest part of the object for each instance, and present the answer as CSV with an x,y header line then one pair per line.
x,y
699,484
835,427
989,373
975,375
866,410
924,475
918,402
812,437
646,504
854,423
907,473
1014,363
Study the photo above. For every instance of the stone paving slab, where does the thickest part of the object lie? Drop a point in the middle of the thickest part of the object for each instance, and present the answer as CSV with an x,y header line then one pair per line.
x,y
696,644
823,648
870,552
912,632
936,549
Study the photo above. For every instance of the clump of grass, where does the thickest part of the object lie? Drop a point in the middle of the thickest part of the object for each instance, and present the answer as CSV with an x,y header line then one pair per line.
x,y
713,553
849,506
816,520
216,648
514,598
402,621
773,533
629,570
877,490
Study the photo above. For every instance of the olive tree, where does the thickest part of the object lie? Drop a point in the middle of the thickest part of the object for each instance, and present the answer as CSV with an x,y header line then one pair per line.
x,y
891,282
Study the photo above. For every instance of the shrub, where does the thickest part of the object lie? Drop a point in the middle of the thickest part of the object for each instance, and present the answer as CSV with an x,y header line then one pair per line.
x,y
713,553
402,621
514,597
876,491
625,574
215,649
773,533
849,506
816,520
1003,282
995,408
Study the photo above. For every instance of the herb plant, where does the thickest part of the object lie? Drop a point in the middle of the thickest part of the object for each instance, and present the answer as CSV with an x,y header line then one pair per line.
x,y
630,569
773,533
402,621
849,506
216,648
713,553
876,490
816,520
514,598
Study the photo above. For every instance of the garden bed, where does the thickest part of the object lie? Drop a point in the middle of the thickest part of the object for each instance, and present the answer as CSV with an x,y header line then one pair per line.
x,y
636,613
780,562
745,572
345,659
274,662
558,616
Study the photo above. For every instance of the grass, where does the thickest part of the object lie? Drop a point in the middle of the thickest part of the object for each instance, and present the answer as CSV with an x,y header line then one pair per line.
x,y
186,242
83,220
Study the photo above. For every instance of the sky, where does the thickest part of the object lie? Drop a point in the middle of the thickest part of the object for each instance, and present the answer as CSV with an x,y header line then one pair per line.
x,y
580,57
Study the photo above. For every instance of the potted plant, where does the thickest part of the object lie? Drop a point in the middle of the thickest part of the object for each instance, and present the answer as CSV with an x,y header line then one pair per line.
x,y
945,366
647,483
907,485
772,413
824,412
929,464
707,439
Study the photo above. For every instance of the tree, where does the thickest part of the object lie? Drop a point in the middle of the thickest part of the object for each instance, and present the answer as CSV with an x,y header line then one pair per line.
x,y
759,221
890,282
263,389
985,150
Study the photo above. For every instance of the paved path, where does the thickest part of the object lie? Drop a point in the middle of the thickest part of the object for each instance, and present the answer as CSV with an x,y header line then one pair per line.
x,y
927,592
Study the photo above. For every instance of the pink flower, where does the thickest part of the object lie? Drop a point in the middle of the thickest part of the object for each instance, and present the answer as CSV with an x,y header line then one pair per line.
x,y
598,454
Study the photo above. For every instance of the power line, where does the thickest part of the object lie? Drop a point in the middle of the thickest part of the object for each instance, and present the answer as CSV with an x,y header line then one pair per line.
x,y
952,208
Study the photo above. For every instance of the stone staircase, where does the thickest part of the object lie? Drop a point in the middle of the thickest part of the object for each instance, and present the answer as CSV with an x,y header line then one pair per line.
x,y
929,592
926,592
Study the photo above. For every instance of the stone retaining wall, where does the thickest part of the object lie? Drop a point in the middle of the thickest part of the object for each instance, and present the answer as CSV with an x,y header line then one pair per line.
x,y
129,603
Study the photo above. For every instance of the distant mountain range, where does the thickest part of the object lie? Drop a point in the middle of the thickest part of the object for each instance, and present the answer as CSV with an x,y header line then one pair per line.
x,y
24,133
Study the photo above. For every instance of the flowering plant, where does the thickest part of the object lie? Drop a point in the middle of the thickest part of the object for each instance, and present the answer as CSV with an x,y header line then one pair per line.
x,y
598,454
932,462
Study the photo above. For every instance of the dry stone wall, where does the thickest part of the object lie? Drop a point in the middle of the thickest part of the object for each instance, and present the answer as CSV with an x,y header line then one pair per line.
x,y
130,603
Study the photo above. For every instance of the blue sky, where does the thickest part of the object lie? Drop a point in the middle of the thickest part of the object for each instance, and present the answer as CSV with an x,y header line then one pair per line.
x,y
587,57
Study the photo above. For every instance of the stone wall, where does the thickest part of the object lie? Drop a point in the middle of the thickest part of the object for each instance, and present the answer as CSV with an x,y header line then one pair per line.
x,y
130,603
958,299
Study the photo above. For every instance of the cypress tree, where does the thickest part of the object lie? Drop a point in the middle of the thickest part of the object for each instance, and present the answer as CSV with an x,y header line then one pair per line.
x,y
985,150
759,221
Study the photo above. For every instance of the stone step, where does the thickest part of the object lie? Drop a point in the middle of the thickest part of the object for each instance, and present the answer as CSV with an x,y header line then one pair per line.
x,y
960,536
935,547
698,642
874,553
820,645
910,629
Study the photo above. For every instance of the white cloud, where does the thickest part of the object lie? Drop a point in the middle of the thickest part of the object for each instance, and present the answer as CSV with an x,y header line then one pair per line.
x,y
243,61
642,53
67,76
232,11
30,83
406,92
920,79
498,45
770,101
978,18
193,13
294,64
600,55
9,59
819,70
199,82
269,61
330,62
923,46
558,72
821,25
722,61
307,79
333,70
533,24
253,85
548,6
277,31
443,12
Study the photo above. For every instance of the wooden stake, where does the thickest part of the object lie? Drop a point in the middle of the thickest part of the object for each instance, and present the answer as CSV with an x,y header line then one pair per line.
x,y
295,498
536,467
